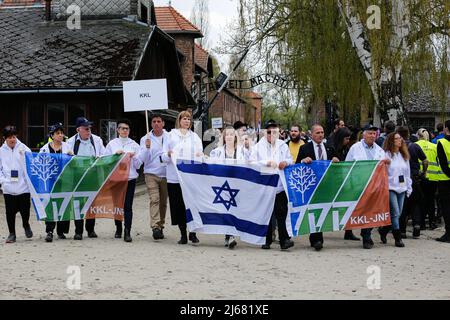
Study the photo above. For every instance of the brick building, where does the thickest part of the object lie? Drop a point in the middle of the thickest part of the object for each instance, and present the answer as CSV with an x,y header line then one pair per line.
x,y
49,73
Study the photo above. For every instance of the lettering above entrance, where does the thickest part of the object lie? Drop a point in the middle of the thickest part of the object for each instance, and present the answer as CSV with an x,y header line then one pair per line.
x,y
275,79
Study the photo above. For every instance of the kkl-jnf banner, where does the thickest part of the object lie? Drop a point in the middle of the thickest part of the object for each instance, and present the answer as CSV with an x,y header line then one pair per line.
x,y
325,196
67,187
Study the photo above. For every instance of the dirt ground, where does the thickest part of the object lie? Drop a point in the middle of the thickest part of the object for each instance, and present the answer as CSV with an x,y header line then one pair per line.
x,y
148,269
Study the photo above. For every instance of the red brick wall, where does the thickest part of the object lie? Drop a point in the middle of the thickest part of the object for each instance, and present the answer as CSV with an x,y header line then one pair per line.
x,y
185,44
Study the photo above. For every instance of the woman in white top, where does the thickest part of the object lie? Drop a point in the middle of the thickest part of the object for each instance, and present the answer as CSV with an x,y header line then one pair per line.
x,y
400,183
182,144
120,145
57,145
229,149
14,186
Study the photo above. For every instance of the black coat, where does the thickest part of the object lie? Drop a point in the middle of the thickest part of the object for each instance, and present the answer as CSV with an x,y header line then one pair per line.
x,y
307,150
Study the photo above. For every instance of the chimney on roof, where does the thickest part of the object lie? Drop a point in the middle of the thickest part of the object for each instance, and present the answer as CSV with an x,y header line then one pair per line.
x,y
48,10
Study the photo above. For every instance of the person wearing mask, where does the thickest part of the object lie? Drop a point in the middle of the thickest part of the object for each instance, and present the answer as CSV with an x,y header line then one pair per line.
x,y
57,145
86,144
338,123
400,184
183,144
274,153
12,180
295,142
316,150
120,145
230,150
366,149
389,127
440,133
341,147
155,174
413,203
443,152
430,182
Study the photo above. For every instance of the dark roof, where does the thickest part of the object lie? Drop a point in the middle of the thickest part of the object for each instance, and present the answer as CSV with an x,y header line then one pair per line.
x,y
39,54
424,103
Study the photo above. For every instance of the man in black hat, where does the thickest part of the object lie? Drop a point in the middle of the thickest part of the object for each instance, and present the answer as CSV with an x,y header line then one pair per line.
x,y
275,153
366,149
85,143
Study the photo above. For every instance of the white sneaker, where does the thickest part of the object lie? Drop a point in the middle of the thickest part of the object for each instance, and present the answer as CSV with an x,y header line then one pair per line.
x,y
232,243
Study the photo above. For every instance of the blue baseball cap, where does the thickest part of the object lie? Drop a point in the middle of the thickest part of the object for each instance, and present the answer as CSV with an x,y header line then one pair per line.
x,y
82,122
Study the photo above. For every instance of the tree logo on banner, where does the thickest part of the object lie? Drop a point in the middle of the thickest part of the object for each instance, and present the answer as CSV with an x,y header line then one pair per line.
x,y
44,167
302,179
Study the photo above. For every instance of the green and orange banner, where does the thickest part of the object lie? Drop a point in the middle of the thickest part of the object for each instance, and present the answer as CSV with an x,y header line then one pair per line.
x,y
65,187
325,196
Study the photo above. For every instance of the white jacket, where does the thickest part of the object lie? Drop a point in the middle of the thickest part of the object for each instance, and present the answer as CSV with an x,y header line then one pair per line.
x,y
263,152
13,159
184,146
127,145
358,152
241,153
399,167
152,158
98,144
65,148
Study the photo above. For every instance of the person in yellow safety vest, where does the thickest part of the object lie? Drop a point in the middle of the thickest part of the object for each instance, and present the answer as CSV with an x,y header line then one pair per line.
x,y
443,153
429,184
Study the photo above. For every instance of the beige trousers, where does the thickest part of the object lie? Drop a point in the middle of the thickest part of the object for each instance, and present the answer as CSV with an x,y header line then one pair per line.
x,y
157,191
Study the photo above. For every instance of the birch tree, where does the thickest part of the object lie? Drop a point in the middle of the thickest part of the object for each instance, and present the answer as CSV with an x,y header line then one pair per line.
x,y
356,52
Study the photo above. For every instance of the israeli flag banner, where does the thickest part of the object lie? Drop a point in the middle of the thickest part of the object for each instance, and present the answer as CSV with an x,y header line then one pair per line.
x,y
224,197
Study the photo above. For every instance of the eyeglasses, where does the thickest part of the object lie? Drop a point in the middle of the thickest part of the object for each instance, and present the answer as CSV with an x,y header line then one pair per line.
x,y
272,131
124,128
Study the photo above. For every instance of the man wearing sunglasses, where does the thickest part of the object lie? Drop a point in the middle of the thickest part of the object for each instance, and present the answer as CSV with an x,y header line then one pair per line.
x,y
274,153
87,144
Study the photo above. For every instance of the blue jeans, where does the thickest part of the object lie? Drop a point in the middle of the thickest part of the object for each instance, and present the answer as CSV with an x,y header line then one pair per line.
x,y
396,201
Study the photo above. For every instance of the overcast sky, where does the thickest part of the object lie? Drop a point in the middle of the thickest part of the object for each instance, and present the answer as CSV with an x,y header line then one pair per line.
x,y
221,13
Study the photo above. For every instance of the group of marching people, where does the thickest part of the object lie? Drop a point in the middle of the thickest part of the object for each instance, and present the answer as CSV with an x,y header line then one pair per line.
x,y
156,150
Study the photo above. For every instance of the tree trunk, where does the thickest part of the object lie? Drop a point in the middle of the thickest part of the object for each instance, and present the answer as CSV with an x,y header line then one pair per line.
x,y
386,90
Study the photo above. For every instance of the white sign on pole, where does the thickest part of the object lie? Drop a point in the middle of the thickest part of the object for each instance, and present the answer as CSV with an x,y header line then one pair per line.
x,y
140,95
216,123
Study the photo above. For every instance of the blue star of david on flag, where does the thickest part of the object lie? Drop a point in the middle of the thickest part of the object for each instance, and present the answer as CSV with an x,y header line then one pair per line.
x,y
232,195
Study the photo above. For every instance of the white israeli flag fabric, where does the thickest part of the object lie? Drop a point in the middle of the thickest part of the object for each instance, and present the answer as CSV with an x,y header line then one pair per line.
x,y
223,197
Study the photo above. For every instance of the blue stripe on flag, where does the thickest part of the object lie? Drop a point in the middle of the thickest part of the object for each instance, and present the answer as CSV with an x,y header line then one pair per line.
x,y
219,170
219,219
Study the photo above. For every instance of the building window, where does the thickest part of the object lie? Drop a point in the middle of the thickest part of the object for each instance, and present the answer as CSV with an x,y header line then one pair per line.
x,y
40,116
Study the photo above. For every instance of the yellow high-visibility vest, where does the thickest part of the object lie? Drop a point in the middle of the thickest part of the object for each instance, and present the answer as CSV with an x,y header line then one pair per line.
x,y
446,145
434,171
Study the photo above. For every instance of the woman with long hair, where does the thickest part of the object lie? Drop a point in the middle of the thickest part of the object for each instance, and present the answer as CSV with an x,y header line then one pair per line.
x,y
229,149
400,183
182,144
